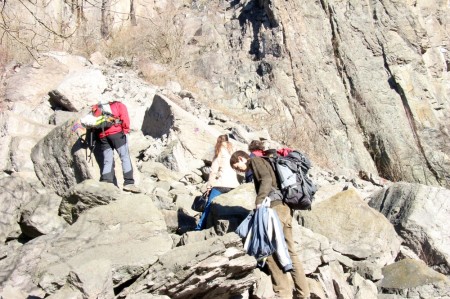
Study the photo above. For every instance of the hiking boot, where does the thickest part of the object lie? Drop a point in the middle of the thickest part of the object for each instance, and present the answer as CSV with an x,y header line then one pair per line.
x,y
131,188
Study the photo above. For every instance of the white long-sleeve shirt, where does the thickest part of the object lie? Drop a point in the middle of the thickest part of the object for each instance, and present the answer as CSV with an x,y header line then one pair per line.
x,y
222,175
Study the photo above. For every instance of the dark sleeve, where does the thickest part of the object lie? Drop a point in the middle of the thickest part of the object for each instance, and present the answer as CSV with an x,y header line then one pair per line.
x,y
262,178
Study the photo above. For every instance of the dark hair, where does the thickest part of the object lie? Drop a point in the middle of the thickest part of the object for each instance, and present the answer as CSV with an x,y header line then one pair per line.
x,y
235,157
256,145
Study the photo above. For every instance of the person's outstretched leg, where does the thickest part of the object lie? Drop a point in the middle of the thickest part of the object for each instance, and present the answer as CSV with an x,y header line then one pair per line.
x,y
203,219
301,286
280,279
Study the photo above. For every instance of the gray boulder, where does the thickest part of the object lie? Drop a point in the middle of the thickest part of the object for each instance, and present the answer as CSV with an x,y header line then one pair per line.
x,y
86,195
18,269
229,209
353,228
414,279
40,216
29,85
60,160
79,89
420,215
313,249
192,138
207,269
15,193
130,233
18,135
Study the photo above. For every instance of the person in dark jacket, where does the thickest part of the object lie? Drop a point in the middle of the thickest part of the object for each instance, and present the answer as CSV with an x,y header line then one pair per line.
x,y
266,186
112,138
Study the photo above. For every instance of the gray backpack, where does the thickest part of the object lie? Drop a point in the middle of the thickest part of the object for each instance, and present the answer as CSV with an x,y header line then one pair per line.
x,y
292,177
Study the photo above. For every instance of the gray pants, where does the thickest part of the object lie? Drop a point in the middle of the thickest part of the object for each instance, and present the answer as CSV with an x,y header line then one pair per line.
x,y
119,143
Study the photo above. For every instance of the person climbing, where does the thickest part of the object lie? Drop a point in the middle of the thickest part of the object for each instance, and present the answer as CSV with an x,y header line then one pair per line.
x,y
256,149
112,124
222,177
266,186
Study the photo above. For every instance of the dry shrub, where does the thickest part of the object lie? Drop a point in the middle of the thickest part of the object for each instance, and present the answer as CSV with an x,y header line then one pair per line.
x,y
13,52
159,39
26,30
86,42
154,73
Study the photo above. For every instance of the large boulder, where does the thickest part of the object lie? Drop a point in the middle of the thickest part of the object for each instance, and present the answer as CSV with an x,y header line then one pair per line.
x,y
229,209
106,247
336,284
414,279
420,215
92,279
15,193
60,160
215,268
79,89
87,195
130,233
26,90
18,135
353,228
191,138
313,249
18,270
40,216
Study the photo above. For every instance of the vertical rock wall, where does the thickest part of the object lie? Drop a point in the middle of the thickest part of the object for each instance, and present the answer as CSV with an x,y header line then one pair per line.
x,y
357,85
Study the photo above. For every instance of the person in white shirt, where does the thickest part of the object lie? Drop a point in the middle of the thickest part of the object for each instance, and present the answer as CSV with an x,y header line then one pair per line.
x,y
222,177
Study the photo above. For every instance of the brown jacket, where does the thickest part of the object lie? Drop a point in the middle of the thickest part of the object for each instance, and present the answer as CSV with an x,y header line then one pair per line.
x,y
263,178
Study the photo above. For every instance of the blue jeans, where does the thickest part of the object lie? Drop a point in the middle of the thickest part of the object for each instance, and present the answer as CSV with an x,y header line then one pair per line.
x,y
203,219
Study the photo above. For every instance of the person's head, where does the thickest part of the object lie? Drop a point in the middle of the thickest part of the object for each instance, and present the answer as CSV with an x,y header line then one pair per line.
x,y
220,141
256,145
238,161
222,138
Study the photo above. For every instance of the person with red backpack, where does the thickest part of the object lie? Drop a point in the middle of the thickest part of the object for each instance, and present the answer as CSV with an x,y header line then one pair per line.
x,y
112,124
256,149
265,181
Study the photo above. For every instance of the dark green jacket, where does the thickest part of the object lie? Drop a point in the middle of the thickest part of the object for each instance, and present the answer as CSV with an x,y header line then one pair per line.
x,y
263,178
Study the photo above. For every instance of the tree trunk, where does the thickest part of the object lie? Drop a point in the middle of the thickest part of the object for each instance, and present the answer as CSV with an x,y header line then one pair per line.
x,y
132,13
105,28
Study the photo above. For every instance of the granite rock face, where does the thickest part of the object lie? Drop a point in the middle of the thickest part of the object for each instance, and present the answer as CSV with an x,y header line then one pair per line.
x,y
419,214
360,87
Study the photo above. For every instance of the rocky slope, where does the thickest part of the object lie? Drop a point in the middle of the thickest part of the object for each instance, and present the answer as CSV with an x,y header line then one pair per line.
x,y
362,87
66,235
357,85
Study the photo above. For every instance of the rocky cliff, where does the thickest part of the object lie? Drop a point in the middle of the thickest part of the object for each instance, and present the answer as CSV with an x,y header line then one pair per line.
x,y
357,85
66,235
361,87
